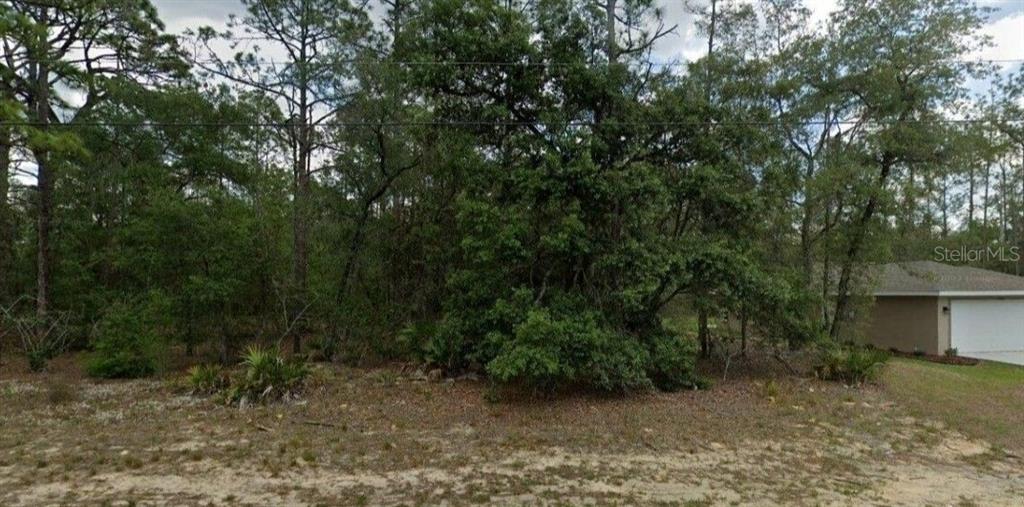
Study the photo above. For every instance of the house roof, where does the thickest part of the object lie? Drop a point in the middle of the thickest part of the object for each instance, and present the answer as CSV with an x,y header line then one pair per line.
x,y
920,278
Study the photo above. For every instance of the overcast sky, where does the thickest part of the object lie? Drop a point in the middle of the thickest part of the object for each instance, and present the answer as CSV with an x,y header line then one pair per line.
x,y
1005,26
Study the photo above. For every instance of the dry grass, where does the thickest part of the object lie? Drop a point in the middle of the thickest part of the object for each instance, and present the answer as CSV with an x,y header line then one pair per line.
x,y
381,437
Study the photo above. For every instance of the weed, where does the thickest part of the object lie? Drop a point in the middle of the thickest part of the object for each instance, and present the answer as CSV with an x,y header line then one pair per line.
x,y
324,348
386,377
59,393
308,456
42,338
206,379
850,364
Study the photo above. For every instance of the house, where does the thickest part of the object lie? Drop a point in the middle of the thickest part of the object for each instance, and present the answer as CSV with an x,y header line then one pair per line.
x,y
931,307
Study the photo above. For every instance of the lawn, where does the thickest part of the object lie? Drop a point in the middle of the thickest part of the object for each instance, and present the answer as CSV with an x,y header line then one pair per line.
x,y
387,436
984,401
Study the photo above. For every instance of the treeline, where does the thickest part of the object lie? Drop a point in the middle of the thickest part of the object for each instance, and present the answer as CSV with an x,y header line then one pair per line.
x,y
517,188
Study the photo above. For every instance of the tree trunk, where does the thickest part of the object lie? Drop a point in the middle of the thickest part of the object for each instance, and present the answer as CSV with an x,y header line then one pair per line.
x,y
806,224
853,250
44,182
302,177
711,43
6,229
703,334
1003,196
970,197
225,342
300,230
611,45
1020,211
945,205
743,331
984,200
909,203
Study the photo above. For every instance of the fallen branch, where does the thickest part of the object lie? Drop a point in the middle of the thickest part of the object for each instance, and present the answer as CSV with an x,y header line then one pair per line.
x,y
320,423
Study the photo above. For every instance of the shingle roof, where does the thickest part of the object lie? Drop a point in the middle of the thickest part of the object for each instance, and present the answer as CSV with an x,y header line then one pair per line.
x,y
934,277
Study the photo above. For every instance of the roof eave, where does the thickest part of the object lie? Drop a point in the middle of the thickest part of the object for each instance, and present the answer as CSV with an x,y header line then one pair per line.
x,y
952,293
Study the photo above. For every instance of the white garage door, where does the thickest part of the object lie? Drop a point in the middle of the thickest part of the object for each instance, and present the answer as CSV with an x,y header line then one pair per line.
x,y
987,325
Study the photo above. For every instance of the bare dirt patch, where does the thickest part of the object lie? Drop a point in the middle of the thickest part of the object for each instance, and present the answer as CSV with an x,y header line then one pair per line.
x,y
362,440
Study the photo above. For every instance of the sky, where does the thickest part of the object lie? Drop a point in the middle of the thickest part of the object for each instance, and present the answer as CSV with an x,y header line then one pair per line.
x,y
1005,25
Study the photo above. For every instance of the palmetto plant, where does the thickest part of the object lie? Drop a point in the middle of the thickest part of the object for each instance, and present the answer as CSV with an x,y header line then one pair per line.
x,y
850,364
267,376
41,337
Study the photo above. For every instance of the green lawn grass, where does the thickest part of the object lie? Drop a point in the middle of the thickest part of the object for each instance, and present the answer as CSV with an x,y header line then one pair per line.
x,y
984,401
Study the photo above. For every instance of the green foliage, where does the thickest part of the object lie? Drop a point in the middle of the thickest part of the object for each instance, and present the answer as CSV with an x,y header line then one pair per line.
x,y
263,376
547,352
324,347
447,348
530,220
267,376
207,379
128,341
671,366
412,341
41,338
850,364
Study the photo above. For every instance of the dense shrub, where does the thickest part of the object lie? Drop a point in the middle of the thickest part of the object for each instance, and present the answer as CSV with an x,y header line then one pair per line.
x,y
447,349
324,347
207,379
127,343
267,376
412,341
546,351
852,365
672,363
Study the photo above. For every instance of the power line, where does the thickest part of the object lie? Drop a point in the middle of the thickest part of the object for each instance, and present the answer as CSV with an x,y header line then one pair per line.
x,y
480,123
470,63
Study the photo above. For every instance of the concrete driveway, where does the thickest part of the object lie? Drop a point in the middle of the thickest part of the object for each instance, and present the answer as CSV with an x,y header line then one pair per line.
x,y
1012,357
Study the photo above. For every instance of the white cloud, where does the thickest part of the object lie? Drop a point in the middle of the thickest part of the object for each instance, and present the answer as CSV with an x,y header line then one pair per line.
x,y
1006,28
180,15
1007,34
688,44
820,9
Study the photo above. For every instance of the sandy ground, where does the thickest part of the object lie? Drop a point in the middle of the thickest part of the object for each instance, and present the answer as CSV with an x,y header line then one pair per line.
x,y
142,443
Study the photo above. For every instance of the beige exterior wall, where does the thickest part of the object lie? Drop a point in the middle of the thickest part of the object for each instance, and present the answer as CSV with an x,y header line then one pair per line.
x,y
909,324
944,335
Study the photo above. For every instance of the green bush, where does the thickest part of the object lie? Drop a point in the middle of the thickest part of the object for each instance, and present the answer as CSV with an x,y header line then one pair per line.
x,y
546,352
37,360
207,379
266,376
324,347
126,344
849,364
413,340
447,349
672,363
